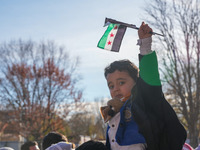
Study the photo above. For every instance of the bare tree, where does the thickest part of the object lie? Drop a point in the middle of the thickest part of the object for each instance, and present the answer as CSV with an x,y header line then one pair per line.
x,y
179,22
100,125
80,124
88,121
37,82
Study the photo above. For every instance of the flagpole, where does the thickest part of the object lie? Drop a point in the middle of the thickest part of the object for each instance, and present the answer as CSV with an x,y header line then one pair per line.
x,y
109,20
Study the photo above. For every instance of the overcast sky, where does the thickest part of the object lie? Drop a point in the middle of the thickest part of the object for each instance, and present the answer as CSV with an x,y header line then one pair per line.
x,y
77,25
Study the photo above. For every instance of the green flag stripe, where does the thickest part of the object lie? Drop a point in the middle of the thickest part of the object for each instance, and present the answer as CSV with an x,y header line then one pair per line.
x,y
103,39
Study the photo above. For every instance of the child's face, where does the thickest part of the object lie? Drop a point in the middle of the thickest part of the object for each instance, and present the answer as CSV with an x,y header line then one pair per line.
x,y
120,84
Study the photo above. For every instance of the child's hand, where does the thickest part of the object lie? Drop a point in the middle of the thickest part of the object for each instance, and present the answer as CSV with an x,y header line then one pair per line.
x,y
113,107
144,31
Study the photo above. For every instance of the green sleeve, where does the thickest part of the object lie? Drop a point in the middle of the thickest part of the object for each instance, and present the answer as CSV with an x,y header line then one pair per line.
x,y
149,69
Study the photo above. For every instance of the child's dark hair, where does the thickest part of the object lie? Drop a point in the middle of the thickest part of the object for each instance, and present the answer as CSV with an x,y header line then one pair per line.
x,y
123,65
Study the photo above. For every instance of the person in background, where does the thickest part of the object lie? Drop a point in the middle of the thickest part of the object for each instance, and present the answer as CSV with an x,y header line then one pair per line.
x,y
61,146
187,147
53,138
30,145
198,148
6,148
92,145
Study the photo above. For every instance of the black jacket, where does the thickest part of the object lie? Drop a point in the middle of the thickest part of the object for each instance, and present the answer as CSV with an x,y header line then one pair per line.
x,y
156,119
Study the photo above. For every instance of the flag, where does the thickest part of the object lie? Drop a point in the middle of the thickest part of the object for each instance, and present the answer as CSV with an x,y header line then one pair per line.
x,y
112,38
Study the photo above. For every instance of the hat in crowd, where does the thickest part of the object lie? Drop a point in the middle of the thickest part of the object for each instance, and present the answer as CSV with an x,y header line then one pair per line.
x,y
187,147
53,138
92,145
198,148
6,148
61,146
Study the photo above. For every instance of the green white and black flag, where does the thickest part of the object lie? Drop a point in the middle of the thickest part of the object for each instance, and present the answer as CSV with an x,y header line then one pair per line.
x,y
112,38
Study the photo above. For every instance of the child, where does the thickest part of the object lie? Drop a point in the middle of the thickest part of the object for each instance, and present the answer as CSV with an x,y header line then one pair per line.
x,y
146,120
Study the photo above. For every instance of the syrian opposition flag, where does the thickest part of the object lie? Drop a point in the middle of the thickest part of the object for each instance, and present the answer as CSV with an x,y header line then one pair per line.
x,y
112,38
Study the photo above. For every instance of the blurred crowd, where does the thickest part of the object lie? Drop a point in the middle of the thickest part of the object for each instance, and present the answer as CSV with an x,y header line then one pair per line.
x,y
58,141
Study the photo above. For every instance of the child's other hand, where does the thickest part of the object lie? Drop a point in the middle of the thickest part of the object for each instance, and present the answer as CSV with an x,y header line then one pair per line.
x,y
144,31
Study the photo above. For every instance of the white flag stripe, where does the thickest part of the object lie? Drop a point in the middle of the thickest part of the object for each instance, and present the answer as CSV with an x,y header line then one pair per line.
x,y
110,39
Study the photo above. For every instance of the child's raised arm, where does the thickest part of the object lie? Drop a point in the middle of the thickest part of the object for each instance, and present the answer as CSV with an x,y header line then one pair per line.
x,y
148,60
145,40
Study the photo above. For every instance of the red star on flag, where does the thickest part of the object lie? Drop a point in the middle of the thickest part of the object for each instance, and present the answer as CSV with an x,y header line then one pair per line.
x,y
109,42
116,27
111,35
